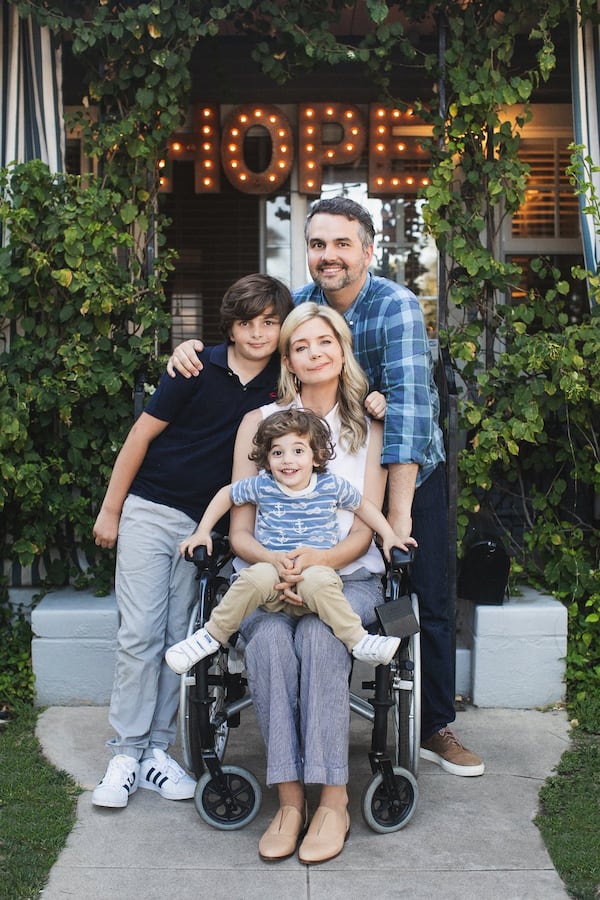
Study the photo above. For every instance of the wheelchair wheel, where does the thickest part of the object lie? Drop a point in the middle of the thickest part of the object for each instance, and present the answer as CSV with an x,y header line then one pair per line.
x,y
406,691
205,682
230,807
383,814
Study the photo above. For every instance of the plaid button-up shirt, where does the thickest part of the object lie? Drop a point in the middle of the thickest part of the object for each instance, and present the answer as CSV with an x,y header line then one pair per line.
x,y
390,342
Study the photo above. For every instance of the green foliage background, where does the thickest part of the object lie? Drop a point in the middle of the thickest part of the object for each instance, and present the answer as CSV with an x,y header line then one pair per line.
x,y
84,275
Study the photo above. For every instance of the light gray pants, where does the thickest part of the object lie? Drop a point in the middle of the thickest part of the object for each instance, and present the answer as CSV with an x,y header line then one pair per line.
x,y
321,590
298,674
155,591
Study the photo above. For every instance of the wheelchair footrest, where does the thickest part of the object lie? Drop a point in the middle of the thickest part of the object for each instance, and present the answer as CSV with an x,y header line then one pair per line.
x,y
397,618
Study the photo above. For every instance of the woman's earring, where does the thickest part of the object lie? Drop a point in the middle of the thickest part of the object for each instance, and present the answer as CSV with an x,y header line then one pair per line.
x,y
297,384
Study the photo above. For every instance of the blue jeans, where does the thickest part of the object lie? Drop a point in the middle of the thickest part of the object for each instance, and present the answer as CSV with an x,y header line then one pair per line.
x,y
430,581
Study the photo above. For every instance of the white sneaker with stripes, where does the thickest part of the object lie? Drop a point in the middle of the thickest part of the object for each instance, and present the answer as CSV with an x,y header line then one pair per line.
x,y
162,774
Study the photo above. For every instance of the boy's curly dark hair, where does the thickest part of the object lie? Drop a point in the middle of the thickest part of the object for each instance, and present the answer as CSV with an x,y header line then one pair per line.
x,y
296,421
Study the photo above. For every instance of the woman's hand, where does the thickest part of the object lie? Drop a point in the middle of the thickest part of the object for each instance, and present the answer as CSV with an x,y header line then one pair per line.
x,y
376,405
184,359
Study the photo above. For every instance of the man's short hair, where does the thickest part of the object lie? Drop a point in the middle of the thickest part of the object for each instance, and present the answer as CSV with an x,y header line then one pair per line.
x,y
252,295
343,206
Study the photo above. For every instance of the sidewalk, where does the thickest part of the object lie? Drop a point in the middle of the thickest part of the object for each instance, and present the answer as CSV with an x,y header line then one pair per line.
x,y
470,838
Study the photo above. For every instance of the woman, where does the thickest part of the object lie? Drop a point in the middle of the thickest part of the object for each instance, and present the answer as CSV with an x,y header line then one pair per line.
x,y
296,667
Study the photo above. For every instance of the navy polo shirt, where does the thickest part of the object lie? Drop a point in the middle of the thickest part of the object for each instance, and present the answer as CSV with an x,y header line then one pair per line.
x,y
192,458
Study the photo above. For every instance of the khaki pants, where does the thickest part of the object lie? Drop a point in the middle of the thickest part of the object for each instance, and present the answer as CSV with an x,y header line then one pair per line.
x,y
321,592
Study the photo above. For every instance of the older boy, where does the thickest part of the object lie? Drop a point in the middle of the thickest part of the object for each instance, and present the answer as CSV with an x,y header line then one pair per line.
x,y
177,454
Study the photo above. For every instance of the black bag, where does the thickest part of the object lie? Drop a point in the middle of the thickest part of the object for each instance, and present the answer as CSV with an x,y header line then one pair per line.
x,y
485,564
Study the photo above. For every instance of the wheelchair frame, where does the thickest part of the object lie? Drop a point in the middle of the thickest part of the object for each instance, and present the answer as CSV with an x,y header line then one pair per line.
x,y
212,696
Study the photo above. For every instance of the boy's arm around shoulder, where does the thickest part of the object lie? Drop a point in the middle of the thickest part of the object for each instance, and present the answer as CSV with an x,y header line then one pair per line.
x,y
126,467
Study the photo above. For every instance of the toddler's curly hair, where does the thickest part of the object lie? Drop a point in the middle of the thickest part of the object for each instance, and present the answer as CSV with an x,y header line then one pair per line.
x,y
294,421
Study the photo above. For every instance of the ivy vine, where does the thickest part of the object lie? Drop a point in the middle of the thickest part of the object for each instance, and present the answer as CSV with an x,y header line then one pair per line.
x,y
84,274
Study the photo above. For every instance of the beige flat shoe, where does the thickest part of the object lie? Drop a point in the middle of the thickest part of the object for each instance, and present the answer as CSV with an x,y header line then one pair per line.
x,y
326,835
281,837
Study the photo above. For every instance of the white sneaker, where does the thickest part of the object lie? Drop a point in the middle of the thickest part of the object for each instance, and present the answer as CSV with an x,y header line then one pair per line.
x,y
376,649
182,656
161,773
120,781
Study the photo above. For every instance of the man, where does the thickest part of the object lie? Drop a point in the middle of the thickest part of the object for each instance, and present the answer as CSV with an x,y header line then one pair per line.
x,y
390,343
176,455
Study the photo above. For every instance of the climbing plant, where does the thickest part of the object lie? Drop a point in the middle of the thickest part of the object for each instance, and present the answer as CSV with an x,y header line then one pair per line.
x,y
516,364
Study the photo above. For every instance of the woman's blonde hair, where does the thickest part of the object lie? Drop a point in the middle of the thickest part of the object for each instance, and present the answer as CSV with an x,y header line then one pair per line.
x,y
353,384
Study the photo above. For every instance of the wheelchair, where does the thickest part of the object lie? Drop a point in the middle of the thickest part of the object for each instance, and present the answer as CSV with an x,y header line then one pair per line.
x,y
214,693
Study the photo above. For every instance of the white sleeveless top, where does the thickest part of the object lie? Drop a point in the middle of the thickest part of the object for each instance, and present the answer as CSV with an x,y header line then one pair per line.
x,y
352,467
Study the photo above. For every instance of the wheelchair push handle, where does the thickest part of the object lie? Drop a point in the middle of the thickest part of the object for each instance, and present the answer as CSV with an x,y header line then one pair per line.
x,y
200,555
399,558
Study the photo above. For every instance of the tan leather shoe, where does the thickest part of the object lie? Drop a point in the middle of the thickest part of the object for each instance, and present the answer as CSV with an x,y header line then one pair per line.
x,y
281,837
326,835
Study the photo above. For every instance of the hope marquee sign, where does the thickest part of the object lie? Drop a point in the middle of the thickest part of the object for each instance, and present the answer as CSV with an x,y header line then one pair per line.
x,y
324,134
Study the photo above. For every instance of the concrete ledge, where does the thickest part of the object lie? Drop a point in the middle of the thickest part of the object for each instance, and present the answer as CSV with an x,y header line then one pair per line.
x,y
73,649
519,649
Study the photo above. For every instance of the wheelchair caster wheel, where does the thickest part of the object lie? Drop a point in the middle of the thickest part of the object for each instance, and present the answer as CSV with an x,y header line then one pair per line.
x,y
383,814
232,807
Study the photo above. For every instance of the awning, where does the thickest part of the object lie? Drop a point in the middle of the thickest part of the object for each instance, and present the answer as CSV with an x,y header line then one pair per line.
x,y
31,114
585,69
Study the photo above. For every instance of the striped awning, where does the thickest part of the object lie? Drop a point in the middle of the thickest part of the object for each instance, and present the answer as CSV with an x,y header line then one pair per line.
x,y
31,113
585,69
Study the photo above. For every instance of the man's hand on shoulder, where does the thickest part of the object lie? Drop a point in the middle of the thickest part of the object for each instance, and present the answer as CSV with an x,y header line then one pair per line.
x,y
184,359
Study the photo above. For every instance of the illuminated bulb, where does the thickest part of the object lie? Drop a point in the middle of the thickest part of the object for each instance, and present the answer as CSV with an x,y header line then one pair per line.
x,y
258,113
281,164
243,176
207,147
330,154
410,180
232,148
380,113
161,163
207,113
354,131
272,119
206,129
379,181
234,132
381,129
284,148
396,113
176,146
207,182
162,182
234,163
401,147
281,133
310,183
329,111
349,114
309,113
349,148
271,178
310,129
310,164
380,147
207,164
243,117
395,182
310,148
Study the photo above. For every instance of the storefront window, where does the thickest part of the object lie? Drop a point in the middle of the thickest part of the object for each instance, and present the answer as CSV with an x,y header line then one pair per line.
x,y
278,240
